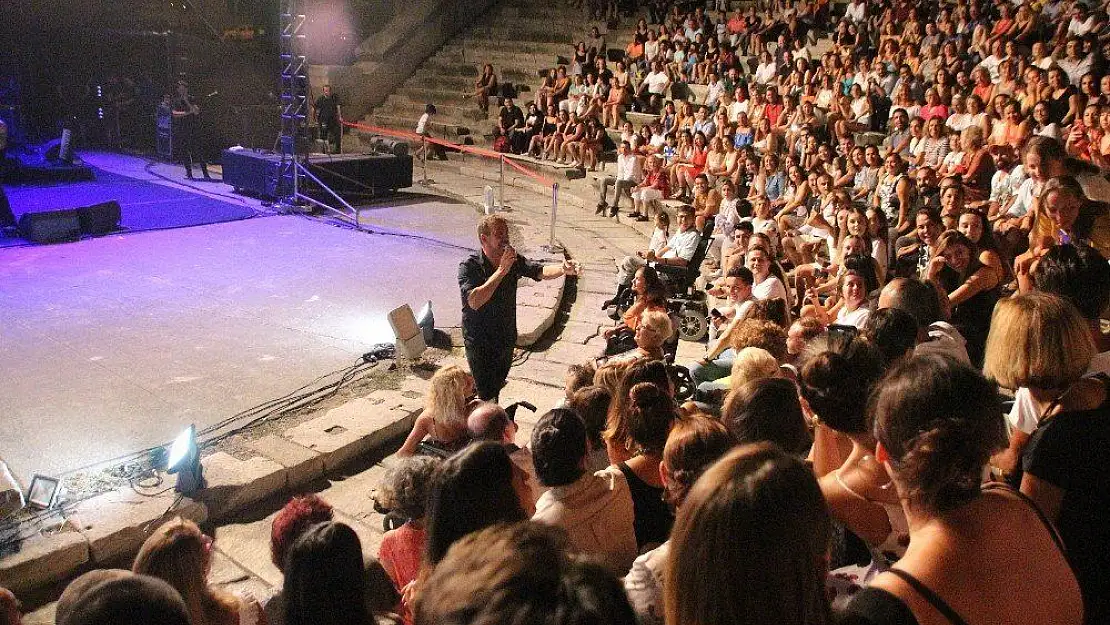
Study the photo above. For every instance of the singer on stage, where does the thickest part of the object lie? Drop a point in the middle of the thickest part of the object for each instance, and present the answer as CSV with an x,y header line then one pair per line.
x,y
187,131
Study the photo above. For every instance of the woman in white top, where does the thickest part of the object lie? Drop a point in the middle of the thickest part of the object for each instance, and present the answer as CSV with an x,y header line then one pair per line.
x,y
765,285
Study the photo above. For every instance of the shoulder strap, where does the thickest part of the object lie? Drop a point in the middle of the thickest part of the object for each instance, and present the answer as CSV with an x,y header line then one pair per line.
x,y
933,598
1049,525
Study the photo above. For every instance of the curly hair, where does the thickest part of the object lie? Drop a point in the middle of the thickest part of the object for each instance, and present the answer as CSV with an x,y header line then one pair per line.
x,y
760,333
404,488
292,520
447,396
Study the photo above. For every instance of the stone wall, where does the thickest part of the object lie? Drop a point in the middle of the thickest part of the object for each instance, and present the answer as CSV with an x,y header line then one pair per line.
x,y
413,32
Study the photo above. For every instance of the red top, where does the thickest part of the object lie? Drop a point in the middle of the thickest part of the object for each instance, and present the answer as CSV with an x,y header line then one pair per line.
x,y
400,555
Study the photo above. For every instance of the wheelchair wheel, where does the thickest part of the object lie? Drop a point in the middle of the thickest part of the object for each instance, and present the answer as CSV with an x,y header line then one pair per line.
x,y
692,325
626,300
684,386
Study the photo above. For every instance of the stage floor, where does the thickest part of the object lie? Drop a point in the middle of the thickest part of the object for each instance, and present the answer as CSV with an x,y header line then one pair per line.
x,y
114,344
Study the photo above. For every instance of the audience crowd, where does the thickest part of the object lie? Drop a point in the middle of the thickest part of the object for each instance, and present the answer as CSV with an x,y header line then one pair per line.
x,y
902,413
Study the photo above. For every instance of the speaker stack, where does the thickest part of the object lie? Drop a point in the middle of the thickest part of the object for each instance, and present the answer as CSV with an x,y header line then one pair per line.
x,y
57,226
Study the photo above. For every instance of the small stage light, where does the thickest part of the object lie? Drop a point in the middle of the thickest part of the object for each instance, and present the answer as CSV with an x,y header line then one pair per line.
x,y
410,339
184,460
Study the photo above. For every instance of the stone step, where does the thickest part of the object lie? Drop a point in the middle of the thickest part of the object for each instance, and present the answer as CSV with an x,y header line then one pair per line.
x,y
435,67
439,128
527,33
483,45
401,106
519,61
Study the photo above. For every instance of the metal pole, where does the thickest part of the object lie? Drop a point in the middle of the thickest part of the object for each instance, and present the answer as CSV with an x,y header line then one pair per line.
x,y
554,210
501,191
424,149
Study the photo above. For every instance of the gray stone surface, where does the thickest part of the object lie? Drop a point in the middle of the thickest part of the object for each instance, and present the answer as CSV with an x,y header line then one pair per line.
x,y
43,560
235,484
115,524
301,463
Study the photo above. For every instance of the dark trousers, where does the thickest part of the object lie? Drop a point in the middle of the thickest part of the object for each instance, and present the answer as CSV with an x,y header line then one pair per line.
x,y
192,151
489,364
332,133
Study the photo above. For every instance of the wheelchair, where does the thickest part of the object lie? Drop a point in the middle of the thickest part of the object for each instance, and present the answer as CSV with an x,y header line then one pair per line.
x,y
687,304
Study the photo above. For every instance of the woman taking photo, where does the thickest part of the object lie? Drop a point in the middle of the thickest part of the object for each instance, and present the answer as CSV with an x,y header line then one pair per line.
x,y
937,423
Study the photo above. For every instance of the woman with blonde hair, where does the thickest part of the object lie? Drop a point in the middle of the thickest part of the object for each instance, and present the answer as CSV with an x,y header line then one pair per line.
x,y
1040,341
752,364
181,555
445,410
750,544
652,333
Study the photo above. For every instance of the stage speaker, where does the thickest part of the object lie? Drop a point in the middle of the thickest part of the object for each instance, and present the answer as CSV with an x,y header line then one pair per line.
x,y
7,219
100,218
50,226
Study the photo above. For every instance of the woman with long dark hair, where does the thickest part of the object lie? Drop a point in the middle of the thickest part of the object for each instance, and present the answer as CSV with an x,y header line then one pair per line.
x,y
971,288
750,544
324,582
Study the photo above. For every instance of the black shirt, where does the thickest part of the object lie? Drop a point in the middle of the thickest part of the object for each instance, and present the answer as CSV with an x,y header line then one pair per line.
x,y
652,519
1071,451
188,122
327,108
509,116
495,322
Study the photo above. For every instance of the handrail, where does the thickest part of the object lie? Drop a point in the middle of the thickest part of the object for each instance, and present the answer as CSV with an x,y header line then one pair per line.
x,y
469,149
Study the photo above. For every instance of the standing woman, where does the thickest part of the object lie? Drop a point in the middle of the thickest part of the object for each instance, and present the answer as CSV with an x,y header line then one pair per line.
x,y
937,423
750,544
1040,341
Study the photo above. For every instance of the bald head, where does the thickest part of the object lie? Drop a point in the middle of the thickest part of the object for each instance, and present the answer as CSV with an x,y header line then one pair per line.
x,y
917,298
489,422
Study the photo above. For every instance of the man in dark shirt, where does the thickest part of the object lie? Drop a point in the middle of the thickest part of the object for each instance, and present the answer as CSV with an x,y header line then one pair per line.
x,y
510,118
329,118
187,131
488,282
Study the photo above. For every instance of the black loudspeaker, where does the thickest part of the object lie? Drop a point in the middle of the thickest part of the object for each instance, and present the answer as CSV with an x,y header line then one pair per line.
x,y
100,218
50,226
7,219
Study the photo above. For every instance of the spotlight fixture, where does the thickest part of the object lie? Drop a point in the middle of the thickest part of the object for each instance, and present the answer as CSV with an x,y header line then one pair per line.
x,y
43,492
184,460
410,339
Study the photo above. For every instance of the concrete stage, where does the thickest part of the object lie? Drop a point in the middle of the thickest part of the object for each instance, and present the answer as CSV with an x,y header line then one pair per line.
x,y
115,344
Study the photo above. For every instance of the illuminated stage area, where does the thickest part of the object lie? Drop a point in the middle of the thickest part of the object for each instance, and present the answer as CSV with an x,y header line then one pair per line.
x,y
116,343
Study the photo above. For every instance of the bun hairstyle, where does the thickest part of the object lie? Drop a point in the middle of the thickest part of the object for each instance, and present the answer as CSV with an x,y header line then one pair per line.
x,y
651,411
695,443
837,383
939,421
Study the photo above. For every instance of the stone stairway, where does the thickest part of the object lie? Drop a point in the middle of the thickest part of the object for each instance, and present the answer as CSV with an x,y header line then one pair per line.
x,y
520,38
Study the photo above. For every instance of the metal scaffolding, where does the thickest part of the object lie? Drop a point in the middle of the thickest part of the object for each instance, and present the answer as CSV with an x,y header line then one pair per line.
x,y
294,101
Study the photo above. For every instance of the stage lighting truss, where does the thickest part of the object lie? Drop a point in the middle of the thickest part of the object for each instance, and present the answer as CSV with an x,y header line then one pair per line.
x,y
294,116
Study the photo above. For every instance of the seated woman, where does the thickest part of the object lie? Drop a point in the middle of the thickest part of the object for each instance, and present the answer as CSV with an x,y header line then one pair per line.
x,y
971,288
180,554
857,281
937,422
652,333
756,525
445,410
650,413
484,87
324,580
650,295
835,386
693,445
404,491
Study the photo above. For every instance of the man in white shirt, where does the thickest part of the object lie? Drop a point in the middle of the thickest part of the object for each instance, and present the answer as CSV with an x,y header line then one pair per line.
x,y
657,81
716,89
679,250
595,509
1075,64
724,320
628,176
856,12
